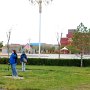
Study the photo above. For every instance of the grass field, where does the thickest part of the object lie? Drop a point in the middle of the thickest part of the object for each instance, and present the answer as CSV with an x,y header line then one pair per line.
x,y
46,78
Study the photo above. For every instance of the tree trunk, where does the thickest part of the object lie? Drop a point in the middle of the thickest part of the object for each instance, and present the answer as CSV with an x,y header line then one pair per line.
x,y
81,59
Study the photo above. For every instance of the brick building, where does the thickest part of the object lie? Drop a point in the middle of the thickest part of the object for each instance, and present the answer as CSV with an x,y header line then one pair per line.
x,y
67,40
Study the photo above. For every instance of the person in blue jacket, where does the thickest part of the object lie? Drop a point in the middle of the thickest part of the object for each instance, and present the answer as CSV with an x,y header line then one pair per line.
x,y
23,60
13,63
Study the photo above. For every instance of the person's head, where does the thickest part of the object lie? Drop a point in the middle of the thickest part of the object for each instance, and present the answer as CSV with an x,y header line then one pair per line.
x,y
13,51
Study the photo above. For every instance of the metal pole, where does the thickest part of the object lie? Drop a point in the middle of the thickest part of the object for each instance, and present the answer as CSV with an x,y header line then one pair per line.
x,y
40,11
39,2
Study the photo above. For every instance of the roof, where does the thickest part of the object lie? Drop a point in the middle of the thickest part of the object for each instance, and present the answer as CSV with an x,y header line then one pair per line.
x,y
64,41
71,30
70,35
35,44
27,46
64,48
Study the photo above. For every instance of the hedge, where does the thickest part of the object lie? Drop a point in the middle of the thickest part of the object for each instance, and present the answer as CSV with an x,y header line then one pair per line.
x,y
51,62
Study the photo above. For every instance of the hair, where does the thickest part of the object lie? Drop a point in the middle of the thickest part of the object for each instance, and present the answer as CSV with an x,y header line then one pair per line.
x,y
14,51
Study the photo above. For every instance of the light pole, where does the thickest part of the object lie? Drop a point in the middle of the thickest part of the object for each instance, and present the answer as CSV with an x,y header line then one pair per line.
x,y
39,2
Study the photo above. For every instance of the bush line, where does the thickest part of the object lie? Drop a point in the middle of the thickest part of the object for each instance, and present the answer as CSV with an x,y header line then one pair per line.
x,y
51,62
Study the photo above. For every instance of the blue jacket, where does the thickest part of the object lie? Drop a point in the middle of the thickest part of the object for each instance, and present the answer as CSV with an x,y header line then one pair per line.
x,y
13,58
22,57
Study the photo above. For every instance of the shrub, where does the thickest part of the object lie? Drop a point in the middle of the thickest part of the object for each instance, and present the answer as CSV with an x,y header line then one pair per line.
x,y
51,62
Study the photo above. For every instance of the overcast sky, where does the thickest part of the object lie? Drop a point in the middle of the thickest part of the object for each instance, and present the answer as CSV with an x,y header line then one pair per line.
x,y
23,18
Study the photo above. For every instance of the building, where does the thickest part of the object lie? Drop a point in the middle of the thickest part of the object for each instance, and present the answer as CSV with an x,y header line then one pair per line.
x,y
68,39
28,48
18,47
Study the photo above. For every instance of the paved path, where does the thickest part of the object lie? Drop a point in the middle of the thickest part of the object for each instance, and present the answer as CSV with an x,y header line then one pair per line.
x,y
65,56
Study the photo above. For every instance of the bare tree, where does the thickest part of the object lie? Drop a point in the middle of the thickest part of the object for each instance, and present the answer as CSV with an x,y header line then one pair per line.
x,y
8,39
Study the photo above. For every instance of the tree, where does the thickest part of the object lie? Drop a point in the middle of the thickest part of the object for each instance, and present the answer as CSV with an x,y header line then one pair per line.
x,y
81,39
73,49
1,44
8,39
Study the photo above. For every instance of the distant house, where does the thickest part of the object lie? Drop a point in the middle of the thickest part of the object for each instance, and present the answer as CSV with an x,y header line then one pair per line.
x,y
64,41
35,47
64,50
16,47
28,48
68,39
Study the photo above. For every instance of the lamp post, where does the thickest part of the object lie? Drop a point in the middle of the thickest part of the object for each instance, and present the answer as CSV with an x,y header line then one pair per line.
x,y
39,2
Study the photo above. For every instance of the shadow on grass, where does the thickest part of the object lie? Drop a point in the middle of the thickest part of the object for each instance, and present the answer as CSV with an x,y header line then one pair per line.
x,y
40,69
27,69
29,89
20,89
1,83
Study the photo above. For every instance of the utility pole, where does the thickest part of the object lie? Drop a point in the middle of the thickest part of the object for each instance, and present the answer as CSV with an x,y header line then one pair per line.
x,y
39,2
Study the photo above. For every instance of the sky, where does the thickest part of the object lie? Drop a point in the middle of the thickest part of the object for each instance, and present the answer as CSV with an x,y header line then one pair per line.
x,y
22,19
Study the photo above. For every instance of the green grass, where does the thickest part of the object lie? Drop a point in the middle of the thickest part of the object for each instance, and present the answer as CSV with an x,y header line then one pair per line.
x,y
47,78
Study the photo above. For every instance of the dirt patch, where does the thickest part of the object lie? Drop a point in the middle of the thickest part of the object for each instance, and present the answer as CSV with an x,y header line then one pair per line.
x,y
14,77
83,87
